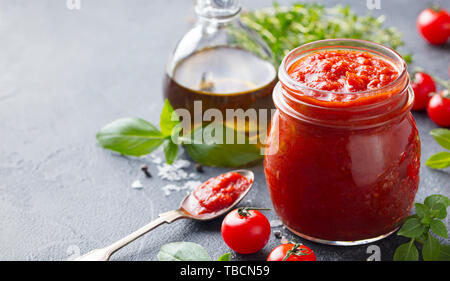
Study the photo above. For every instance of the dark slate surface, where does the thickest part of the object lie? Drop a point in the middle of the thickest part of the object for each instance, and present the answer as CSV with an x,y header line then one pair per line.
x,y
65,73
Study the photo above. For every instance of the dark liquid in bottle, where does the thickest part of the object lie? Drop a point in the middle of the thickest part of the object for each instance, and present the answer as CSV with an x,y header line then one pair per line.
x,y
222,78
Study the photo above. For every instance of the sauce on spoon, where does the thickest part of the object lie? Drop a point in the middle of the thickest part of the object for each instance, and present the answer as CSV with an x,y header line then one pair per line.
x,y
217,193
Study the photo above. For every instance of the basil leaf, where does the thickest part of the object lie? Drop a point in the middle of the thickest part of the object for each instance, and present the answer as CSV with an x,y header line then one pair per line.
x,y
406,252
439,160
222,154
442,137
168,119
444,253
438,211
421,209
439,228
431,200
426,220
430,250
422,238
412,228
170,151
183,251
130,136
225,257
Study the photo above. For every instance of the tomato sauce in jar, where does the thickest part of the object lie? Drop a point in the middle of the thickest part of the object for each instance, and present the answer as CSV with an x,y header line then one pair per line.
x,y
343,155
218,193
343,71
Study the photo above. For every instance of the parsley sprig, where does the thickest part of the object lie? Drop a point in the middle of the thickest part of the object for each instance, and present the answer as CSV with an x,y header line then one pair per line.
x,y
287,27
428,218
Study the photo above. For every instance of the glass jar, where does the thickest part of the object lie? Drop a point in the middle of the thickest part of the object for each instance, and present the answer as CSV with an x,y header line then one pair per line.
x,y
343,167
220,64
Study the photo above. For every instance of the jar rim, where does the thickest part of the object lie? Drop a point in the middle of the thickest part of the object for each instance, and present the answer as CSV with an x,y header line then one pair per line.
x,y
362,109
284,76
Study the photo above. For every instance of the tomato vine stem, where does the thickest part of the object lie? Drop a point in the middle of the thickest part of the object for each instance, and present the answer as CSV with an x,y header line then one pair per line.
x,y
244,211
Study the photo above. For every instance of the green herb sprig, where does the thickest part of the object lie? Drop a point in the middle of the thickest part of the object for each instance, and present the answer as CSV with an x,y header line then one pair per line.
x,y
429,217
187,251
440,160
285,28
137,137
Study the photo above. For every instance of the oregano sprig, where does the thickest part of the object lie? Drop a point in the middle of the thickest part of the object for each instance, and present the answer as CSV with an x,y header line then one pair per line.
x,y
428,218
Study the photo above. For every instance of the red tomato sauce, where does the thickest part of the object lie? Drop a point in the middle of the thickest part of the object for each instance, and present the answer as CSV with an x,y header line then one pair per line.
x,y
218,193
343,71
349,182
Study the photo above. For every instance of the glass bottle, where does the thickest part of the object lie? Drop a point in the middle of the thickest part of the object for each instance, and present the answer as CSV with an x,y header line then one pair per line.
x,y
220,64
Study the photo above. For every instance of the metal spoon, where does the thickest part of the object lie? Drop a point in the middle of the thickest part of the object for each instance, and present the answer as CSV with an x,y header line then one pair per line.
x,y
168,217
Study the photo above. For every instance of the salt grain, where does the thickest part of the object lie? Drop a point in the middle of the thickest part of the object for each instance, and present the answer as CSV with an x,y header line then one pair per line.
x,y
193,176
181,164
157,160
137,184
175,171
171,173
169,188
188,186
191,185
275,223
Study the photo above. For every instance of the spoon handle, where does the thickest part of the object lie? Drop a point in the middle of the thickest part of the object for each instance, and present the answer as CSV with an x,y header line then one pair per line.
x,y
104,253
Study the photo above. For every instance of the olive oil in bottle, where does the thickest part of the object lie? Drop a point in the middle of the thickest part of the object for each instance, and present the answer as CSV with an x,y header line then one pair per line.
x,y
222,64
221,77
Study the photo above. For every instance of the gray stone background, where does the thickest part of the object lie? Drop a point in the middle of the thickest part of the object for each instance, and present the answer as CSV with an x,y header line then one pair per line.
x,y
65,73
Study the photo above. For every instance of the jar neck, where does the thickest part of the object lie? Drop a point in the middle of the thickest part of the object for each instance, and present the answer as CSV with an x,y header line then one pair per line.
x,y
338,109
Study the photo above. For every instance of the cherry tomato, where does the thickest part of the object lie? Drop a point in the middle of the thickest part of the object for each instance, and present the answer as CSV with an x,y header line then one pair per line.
x,y
291,252
434,25
423,85
245,230
439,108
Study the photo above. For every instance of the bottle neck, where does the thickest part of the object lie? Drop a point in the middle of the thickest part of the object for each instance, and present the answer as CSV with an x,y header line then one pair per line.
x,y
217,10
